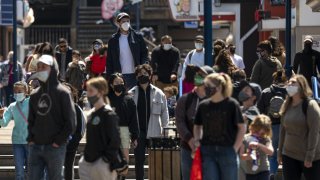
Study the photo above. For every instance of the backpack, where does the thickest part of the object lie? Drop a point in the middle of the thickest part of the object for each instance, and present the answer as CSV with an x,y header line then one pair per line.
x,y
275,104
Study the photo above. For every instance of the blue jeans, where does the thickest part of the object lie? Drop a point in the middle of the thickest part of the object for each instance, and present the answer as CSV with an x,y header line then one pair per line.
x,y
47,157
20,152
130,80
219,162
186,163
275,142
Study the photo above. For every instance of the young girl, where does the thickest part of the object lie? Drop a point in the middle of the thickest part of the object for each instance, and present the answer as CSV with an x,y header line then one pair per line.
x,y
256,148
220,127
103,139
18,111
171,95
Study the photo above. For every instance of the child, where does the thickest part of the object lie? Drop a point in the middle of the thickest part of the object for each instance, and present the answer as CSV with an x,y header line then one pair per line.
x,y
75,74
18,111
171,95
256,148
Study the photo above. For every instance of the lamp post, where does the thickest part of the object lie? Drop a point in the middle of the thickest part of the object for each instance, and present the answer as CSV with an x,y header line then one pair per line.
x,y
208,31
288,39
14,43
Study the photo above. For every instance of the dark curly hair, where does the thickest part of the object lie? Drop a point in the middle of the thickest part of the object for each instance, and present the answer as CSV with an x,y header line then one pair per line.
x,y
224,62
146,67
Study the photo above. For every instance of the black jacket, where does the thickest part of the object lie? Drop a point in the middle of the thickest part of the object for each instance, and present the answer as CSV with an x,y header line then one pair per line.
x,y
138,49
185,112
52,114
103,138
266,96
68,58
164,63
126,110
308,64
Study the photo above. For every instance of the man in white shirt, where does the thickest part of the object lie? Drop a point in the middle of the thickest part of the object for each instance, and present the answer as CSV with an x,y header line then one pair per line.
x,y
195,56
126,50
236,59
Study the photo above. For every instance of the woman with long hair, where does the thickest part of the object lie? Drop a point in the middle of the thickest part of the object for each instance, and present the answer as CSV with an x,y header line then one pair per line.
x,y
299,143
126,110
31,64
278,49
103,138
219,128
224,63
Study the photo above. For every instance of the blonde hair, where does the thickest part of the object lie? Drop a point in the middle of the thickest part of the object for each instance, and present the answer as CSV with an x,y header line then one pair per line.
x,y
101,85
222,80
261,122
305,92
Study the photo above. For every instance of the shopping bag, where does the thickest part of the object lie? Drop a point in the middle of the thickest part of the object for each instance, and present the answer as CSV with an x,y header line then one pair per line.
x,y
196,169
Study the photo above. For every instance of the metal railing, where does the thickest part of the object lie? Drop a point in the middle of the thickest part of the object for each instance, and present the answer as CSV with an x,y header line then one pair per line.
x,y
46,33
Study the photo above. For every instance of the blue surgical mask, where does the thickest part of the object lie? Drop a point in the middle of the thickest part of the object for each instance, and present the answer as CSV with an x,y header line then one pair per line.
x,y
19,96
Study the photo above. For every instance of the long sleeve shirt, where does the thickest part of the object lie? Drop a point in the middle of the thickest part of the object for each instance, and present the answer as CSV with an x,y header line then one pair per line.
x,y
20,129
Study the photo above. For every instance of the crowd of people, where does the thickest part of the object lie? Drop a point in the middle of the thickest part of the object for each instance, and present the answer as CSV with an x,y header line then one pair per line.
x,y
122,98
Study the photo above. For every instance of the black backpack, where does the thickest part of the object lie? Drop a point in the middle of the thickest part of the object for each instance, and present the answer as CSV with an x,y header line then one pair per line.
x,y
275,104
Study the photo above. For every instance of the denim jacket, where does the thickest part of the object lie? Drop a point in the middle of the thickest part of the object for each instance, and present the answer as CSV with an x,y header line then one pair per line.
x,y
159,117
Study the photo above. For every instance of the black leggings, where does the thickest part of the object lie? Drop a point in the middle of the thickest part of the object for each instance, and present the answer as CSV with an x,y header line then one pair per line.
x,y
293,169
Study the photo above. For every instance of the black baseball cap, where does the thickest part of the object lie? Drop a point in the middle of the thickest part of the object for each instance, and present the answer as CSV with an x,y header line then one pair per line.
x,y
122,15
199,38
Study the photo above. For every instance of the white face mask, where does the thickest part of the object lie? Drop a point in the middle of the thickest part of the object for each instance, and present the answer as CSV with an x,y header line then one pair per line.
x,y
167,47
43,76
198,46
19,96
292,90
125,26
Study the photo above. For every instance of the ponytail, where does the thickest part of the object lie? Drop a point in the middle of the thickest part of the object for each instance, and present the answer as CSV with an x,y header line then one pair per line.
x,y
222,80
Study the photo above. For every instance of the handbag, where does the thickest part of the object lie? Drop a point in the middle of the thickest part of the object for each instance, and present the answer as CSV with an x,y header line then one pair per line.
x,y
196,168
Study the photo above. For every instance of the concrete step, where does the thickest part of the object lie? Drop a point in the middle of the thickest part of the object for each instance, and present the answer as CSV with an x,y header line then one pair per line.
x,y
8,172
8,160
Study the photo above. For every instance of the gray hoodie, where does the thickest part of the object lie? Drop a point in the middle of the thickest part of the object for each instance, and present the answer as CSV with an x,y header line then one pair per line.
x,y
263,70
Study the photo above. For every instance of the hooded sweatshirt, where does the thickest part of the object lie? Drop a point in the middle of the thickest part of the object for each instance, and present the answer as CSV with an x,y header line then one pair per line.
x,y
263,70
52,115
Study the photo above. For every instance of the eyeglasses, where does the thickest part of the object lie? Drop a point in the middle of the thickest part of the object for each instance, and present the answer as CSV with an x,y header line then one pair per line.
x,y
63,46
259,50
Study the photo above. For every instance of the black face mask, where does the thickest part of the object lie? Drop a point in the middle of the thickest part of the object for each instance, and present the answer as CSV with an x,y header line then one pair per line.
x,y
119,88
93,99
143,79
243,96
210,91
307,47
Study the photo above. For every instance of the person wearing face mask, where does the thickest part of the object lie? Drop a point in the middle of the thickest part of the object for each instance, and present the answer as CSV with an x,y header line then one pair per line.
x,y
270,104
126,50
51,121
236,59
219,129
103,138
75,74
7,78
248,97
63,56
185,111
265,66
195,56
165,62
299,142
152,114
18,111
125,108
97,60
307,61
